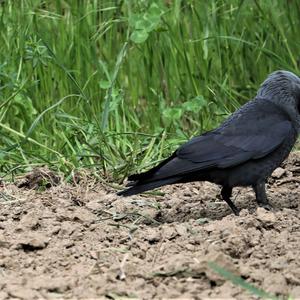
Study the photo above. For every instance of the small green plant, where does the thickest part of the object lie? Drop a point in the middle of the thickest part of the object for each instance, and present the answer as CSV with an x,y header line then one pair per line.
x,y
36,52
116,86
144,22
237,280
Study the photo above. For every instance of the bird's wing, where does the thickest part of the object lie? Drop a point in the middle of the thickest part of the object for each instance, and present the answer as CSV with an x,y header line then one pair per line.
x,y
249,134
222,149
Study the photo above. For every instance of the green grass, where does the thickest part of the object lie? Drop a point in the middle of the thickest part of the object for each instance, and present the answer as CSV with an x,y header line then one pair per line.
x,y
114,86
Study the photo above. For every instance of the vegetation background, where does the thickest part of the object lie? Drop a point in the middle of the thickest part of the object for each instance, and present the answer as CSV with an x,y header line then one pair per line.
x,y
115,86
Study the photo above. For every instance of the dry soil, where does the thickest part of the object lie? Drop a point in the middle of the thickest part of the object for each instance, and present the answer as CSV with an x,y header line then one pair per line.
x,y
84,242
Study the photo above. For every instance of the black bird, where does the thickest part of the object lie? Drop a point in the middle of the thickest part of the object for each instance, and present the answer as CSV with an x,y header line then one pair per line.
x,y
243,151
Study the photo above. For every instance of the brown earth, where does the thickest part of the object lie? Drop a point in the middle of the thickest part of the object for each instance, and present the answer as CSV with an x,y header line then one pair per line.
x,y
84,242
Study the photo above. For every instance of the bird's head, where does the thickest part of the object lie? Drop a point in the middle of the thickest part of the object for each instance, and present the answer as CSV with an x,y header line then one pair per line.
x,y
283,89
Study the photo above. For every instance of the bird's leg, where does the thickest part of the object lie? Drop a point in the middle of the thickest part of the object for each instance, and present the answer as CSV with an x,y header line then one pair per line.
x,y
226,194
261,196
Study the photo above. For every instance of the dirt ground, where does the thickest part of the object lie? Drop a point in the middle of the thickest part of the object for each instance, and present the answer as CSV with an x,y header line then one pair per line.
x,y
84,242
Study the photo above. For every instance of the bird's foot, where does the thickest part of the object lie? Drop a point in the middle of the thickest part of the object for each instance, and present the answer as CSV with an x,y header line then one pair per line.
x,y
235,210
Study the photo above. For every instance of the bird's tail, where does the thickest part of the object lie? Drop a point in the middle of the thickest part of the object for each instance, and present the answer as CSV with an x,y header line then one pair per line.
x,y
140,186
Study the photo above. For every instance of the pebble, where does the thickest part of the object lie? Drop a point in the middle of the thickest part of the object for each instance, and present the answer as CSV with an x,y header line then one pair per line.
x,y
278,173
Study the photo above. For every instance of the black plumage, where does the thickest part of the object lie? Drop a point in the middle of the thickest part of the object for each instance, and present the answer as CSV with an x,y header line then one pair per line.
x,y
243,151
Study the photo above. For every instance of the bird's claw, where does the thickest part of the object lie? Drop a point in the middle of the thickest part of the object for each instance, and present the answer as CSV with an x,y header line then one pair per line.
x,y
236,211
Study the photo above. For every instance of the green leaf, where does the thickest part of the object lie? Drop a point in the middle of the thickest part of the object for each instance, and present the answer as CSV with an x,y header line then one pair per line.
x,y
133,19
155,10
139,36
104,84
195,105
152,22
142,24
147,21
171,115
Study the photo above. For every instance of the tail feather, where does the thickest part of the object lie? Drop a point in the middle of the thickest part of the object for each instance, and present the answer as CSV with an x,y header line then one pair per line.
x,y
141,187
151,172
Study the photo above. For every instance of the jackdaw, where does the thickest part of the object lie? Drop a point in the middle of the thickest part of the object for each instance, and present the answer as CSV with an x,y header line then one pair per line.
x,y
243,151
